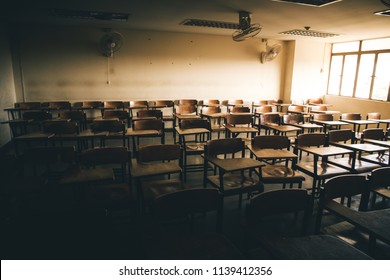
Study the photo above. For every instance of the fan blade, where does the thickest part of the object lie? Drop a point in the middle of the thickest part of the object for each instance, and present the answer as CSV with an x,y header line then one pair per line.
x,y
241,35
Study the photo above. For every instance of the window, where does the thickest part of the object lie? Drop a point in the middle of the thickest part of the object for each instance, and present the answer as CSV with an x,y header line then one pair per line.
x,y
348,76
382,76
365,75
335,75
358,69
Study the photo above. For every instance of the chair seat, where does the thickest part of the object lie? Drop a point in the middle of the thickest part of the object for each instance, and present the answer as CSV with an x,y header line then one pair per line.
x,y
235,183
382,192
361,166
280,174
241,129
154,188
76,175
382,159
139,170
324,170
195,147
111,196
217,127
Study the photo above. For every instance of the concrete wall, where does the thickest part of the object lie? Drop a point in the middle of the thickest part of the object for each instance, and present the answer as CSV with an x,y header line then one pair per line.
x,y
7,87
63,63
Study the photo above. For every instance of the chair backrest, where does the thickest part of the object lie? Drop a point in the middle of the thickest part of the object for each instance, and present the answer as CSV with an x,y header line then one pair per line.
x,y
237,119
374,116
159,152
78,116
193,102
380,177
211,102
261,102
346,186
277,101
319,108
273,118
104,155
115,114
45,160
315,100
211,110
164,103
37,116
185,202
350,116
341,135
296,108
60,105
264,109
150,114
278,202
270,142
49,155
225,146
92,104
242,109
311,139
186,109
108,125
28,105
149,124
113,105
139,104
373,133
235,102
293,119
60,127
195,123
323,117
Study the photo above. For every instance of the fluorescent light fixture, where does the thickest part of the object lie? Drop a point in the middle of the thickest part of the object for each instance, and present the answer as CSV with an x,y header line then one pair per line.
x,y
313,3
309,33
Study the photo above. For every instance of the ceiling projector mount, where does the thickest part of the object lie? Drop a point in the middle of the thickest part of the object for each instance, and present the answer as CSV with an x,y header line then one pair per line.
x,y
246,29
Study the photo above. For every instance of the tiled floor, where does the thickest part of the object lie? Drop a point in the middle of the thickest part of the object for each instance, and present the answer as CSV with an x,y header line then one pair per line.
x,y
47,224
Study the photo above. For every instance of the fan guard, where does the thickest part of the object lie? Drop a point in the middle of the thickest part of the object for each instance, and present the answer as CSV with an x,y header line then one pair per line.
x,y
110,43
247,30
271,53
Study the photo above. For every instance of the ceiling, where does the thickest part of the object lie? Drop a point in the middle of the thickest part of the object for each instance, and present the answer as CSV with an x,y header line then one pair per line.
x,y
352,19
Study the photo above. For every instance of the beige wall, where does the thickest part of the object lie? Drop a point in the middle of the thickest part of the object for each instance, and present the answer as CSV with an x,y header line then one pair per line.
x,y
355,105
63,63
309,72
7,95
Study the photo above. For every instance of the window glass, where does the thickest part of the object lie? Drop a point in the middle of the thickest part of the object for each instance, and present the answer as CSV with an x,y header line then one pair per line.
x,y
382,78
345,47
335,75
377,44
348,76
366,69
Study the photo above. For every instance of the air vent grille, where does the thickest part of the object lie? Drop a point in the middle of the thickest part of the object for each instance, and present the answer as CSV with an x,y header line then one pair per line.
x,y
315,3
210,23
383,13
79,14
309,33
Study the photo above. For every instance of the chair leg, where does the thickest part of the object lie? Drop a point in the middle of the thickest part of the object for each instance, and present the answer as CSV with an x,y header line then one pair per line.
x,y
373,200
